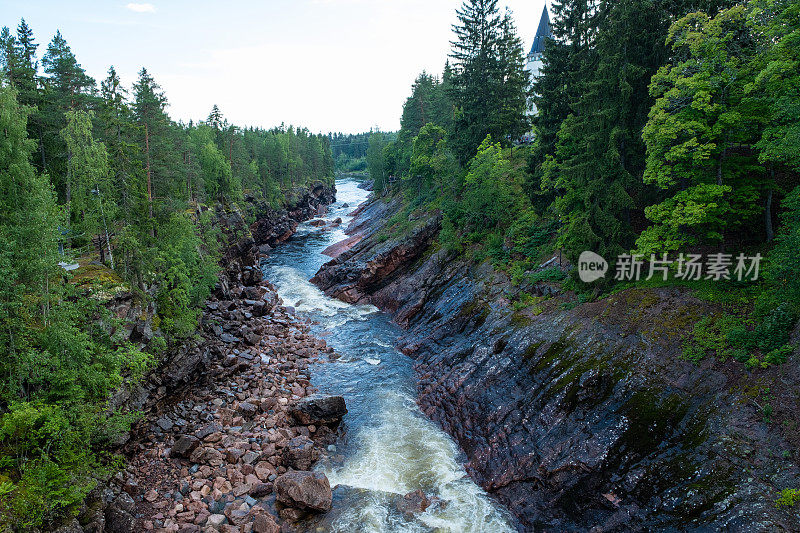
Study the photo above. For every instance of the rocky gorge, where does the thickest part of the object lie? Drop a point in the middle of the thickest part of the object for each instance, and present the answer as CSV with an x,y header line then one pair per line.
x,y
577,417
232,425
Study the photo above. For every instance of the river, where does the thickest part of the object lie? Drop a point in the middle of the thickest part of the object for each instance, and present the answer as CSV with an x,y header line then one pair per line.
x,y
389,447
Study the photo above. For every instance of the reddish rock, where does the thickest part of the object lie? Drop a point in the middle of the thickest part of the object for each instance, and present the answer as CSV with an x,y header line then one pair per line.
x,y
300,453
184,446
304,490
264,523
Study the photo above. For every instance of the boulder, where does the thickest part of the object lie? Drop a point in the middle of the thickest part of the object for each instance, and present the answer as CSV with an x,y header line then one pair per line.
x,y
412,504
322,410
300,453
304,490
184,446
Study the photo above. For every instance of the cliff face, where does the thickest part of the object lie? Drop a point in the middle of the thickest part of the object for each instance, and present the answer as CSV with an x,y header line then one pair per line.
x,y
579,418
185,364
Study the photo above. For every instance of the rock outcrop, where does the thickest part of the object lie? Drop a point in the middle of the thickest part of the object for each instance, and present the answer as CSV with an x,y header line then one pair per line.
x,y
308,491
578,417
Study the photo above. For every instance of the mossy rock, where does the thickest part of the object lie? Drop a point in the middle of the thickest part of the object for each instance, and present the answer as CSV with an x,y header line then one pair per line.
x,y
101,281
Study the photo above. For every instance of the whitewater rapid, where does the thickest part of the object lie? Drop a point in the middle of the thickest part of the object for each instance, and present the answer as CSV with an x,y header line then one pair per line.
x,y
390,448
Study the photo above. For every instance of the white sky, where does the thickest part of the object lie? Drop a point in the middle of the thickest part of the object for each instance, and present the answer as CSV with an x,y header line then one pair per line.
x,y
329,65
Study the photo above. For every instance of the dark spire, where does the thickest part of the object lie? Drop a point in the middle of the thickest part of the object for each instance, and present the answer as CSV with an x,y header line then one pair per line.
x,y
542,34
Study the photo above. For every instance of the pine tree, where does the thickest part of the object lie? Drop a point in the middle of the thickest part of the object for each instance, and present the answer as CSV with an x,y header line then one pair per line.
x,y
215,119
488,75
66,87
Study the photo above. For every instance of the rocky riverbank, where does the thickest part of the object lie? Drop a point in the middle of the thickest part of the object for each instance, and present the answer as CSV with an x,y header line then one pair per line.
x,y
578,417
232,426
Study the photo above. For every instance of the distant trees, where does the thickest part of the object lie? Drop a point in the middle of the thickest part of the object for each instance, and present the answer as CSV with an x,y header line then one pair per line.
x,y
376,165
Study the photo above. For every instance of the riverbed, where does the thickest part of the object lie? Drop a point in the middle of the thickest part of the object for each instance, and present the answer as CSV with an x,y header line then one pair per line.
x,y
388,448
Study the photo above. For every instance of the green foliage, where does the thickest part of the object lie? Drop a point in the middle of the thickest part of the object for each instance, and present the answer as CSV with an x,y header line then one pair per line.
x,y
783,262
491,197
118,172
489,80
788,498
448,236
754,342
701,114
548,274
376,165
529,302
710,337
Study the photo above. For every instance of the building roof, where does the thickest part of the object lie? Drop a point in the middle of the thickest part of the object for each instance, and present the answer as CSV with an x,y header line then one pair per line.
x,y
542,34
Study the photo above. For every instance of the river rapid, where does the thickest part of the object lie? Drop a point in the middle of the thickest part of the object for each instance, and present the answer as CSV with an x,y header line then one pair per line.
x,y
389,448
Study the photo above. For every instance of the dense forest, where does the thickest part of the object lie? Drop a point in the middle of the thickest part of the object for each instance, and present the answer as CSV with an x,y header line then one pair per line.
x,y
350,150
666,131
99,179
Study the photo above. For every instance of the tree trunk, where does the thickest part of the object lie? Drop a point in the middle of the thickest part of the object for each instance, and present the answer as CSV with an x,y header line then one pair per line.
x,y
768,217
149,182
68,198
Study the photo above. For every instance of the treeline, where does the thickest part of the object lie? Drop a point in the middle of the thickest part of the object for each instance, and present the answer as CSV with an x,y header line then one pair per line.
x,y
101,176
350,151
663,126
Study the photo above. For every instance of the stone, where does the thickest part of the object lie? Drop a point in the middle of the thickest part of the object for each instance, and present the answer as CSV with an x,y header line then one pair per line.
x,y
247,409
184,446
322,410
413,503
119,521
227,338
264,523
304,490
300,453
207,430
259,490
216,520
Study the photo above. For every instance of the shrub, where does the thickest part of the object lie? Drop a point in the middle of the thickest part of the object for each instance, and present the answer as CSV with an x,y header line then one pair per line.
x,y
788,498
548,274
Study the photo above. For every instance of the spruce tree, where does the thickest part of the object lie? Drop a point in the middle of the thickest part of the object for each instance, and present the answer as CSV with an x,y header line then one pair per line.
x,y
596,169
558,87
67,87
489,78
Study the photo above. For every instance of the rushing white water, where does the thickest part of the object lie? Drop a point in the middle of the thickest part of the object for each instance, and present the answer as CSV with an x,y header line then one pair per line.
x,y
391,449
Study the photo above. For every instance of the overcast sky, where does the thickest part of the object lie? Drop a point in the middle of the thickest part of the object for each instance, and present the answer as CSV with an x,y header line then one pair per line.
x,y
329,65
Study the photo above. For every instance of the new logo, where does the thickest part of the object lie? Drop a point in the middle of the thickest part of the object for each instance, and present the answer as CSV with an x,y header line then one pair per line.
x,y
591,267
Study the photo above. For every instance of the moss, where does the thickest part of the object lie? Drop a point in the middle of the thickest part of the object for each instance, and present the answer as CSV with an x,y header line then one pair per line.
x,y
477,308
95,274
520,319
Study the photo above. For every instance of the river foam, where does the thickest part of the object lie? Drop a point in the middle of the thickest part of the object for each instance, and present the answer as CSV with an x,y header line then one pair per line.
x,y
390,448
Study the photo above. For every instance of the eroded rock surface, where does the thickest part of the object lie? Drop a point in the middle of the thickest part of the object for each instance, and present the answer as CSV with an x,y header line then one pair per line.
x,y
581,419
